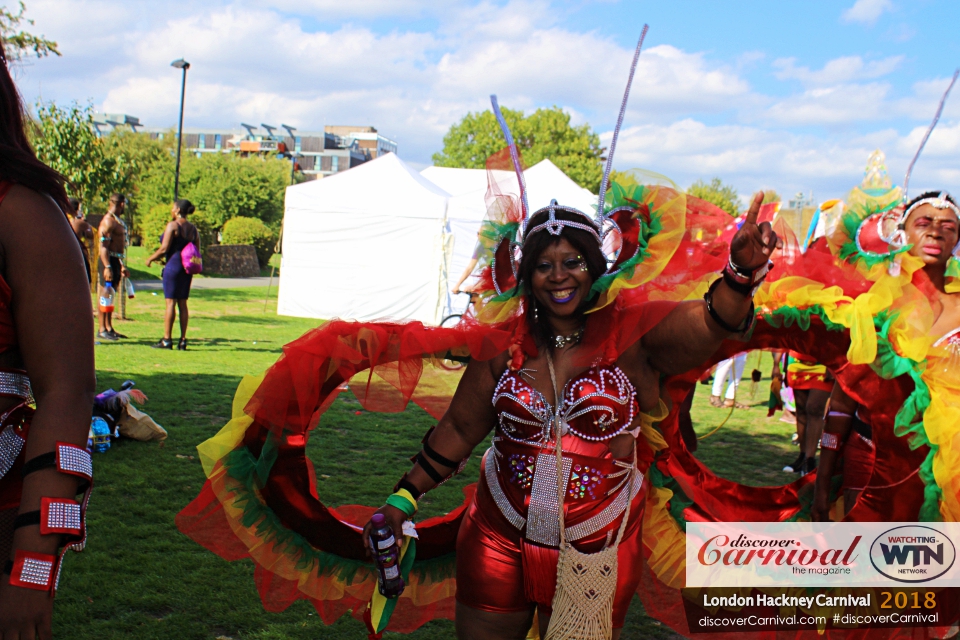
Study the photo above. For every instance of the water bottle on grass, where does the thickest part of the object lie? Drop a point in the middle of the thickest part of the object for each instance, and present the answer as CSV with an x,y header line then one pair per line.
x,y
106,299
387,557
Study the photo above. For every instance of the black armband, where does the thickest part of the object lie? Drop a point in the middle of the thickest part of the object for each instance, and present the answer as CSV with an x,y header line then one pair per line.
x,y
409,486
428,468
436,457
743,327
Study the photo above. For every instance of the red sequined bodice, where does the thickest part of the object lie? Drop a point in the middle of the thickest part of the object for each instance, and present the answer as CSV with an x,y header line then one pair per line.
x,y
598,404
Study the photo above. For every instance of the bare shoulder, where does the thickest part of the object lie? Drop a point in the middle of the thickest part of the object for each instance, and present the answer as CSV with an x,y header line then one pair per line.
x,y
23,203
107,225
27,215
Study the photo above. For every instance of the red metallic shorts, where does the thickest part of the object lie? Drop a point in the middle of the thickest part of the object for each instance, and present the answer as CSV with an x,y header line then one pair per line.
x,y
501,572
859,456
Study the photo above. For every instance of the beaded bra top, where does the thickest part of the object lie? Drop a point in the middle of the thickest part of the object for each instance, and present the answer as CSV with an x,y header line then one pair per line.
x,y
598,404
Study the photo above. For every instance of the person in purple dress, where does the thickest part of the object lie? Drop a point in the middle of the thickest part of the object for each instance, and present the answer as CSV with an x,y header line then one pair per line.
x,y
176,281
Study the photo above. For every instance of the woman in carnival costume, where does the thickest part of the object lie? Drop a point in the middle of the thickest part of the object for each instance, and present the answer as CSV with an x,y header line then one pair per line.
x,y
875,307
578,318
46,379
928,227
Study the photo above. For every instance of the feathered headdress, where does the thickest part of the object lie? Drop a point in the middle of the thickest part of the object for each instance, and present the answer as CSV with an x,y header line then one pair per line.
x,y
871,230
629,225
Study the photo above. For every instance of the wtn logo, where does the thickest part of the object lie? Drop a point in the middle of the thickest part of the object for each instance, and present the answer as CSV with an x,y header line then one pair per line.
x,y
912,554
899,554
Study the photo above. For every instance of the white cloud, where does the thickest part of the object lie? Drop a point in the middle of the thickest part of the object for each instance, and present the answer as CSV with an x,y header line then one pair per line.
x,y
838,70
753,158
320,62
866,11
831,106
250,63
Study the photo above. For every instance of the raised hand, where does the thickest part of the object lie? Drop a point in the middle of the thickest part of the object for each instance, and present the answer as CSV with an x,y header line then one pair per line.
x,y
753,244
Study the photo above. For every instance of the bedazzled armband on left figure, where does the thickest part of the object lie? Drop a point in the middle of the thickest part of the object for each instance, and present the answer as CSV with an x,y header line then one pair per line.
x,y
830,441
57,516
745,281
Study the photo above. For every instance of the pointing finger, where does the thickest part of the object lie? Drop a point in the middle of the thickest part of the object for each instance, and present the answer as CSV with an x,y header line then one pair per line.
x,y
754,208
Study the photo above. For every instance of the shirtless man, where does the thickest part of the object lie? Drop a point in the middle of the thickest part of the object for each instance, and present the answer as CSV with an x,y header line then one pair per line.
x,y
83,231
113,237
932,226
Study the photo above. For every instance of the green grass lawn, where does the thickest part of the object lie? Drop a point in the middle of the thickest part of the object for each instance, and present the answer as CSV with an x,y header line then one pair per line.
x,y
140,578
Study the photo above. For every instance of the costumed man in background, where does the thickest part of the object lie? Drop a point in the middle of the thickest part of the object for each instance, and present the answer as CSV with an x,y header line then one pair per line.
x,y
113,244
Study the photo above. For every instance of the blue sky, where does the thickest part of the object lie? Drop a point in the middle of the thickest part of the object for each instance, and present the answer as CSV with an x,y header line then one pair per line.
x,y
784,95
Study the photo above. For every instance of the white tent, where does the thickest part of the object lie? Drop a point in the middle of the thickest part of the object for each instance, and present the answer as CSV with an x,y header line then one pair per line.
x,y
382,241
466,209
365,244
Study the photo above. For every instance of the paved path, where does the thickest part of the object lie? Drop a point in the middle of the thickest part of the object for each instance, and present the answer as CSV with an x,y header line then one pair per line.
x,y
209,283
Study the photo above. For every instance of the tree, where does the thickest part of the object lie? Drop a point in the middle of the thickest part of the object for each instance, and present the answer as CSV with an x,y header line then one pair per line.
x,y
546,133
221,186
771,196
722,195
17,42
65,140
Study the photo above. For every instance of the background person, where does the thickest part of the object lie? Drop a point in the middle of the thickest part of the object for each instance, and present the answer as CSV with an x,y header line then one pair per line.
x,y
730,368
931,228
811,384
176,281
41,296
113,242
83,231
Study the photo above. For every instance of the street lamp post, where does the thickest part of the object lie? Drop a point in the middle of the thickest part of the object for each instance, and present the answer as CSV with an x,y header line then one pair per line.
x,y
180,64
293,152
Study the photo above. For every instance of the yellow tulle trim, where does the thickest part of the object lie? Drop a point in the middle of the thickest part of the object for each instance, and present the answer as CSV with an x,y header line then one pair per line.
x,y
941,422
229,437
497,312
670,203
856,314
665,542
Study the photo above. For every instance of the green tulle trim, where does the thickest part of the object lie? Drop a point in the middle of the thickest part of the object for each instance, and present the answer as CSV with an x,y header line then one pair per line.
x,y
492,232
678,502
888,364
908,422
632,196
851,222
245,470
788,316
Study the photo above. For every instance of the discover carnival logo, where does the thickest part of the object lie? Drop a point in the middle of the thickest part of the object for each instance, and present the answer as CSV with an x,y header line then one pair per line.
x,y
813,554
913,553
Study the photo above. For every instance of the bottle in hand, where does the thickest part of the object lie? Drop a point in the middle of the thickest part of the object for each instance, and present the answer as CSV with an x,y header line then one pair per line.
x,y
106,299
387,557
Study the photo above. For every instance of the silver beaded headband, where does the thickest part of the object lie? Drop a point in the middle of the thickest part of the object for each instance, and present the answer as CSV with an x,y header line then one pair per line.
x,y
598,227
555,226
938,202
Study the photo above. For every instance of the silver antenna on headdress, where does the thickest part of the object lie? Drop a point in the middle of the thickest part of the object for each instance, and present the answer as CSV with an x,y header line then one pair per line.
x,y
926,136
514,156
616,130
